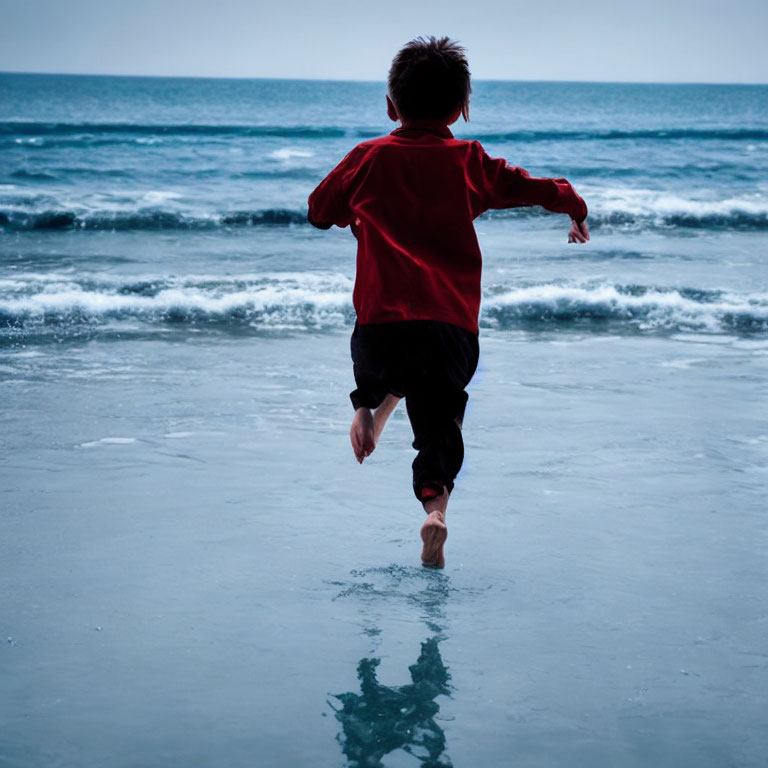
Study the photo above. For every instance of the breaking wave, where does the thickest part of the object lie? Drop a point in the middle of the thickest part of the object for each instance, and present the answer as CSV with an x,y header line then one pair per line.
x,y
278,302
632,208
311,302
145,219
628,307
616,207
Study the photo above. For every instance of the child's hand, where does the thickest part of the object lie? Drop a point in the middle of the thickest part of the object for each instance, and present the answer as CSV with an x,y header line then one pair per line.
x,y
578,233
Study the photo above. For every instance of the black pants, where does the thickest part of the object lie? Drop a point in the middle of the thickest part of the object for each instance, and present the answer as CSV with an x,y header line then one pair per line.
x,y
429,363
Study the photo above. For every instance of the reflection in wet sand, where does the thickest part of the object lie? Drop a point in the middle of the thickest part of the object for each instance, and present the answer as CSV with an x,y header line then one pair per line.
x,y
380,718
384,718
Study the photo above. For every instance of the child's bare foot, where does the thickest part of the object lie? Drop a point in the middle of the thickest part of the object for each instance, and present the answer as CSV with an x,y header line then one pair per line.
x,y
434,532
361,434
367,427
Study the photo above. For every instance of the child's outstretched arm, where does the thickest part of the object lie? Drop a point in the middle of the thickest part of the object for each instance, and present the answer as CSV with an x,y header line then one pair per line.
x,y
508,186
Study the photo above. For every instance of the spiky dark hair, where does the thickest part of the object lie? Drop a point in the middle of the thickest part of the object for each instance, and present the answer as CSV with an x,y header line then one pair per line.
x,y
429,79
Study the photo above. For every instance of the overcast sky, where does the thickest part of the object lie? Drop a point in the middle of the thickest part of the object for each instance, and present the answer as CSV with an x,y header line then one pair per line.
x,y
650,40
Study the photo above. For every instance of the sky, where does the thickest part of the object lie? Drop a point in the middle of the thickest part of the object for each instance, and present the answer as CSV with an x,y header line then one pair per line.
x,y
716,41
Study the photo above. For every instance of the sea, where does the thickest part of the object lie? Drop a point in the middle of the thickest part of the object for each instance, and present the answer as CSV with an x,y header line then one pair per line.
x,y
195,571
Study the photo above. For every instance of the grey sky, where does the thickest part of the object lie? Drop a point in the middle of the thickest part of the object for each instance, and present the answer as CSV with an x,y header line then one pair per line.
x,y
650,40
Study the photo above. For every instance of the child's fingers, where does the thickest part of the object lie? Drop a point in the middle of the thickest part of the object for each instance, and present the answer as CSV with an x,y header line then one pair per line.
x,y
578,232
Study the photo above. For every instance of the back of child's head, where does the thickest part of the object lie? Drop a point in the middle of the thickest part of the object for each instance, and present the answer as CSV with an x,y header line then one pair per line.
x,y
429,80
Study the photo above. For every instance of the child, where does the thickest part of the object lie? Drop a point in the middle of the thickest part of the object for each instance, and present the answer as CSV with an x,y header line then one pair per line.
x,y
410,199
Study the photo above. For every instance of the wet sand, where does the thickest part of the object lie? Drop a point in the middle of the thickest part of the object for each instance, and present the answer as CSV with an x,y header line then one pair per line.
x,y
195,567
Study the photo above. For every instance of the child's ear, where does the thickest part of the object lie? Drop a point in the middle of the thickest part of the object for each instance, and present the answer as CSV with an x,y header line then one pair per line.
x,y
392,110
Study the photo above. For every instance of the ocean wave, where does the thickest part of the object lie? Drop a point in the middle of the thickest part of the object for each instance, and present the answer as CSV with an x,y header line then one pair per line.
x,y
312,302
38,129
180,175
270,302
145,219
622,206
67,173
643,209
25,175
631,307
35,131
609,208
744,221
732,220
658,134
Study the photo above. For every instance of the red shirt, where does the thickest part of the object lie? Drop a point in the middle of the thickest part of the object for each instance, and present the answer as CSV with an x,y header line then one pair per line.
x,y
410,198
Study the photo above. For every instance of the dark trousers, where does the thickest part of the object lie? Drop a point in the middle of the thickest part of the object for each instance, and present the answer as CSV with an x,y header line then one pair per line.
x,y
429,363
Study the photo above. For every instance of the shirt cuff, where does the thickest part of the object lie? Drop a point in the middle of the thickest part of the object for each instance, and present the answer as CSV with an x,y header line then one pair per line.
x,y
318,224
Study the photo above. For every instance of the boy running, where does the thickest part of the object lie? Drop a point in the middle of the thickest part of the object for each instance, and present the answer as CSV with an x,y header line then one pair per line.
x,y
410,199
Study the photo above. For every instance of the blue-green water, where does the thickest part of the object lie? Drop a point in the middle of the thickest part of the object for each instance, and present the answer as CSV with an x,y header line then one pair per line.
x,y
194,569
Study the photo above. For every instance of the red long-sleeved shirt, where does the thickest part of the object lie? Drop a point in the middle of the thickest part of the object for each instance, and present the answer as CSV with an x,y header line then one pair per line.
x,y
410,198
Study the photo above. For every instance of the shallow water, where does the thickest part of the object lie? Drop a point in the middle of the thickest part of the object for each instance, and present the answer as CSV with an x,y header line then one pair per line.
x,y
194,569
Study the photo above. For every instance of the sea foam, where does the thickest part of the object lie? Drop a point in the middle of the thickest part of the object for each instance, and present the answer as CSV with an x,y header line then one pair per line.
x,y
308,301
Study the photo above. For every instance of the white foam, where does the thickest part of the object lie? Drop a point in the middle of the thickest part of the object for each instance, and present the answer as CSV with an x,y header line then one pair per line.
x,y
109,441
286,301
682,364
289,153
295,300
651,202
155,197
652,308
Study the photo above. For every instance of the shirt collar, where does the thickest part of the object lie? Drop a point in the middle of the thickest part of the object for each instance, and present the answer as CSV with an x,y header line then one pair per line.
x,y
438,127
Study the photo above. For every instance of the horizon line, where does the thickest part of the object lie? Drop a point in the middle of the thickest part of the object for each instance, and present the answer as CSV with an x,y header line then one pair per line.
x,y
382,81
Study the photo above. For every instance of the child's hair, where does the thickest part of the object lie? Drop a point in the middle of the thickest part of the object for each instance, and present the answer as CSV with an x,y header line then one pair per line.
x,y
429,80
